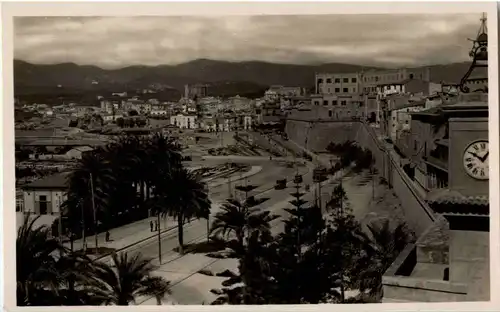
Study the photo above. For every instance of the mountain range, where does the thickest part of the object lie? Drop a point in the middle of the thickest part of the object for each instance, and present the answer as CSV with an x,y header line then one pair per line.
x,y
223,78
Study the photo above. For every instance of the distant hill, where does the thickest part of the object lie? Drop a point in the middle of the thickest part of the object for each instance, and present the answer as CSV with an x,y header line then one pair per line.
x,y
224,78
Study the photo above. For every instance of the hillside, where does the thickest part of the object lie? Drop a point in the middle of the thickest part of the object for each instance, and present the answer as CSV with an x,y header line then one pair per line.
x,y
224,78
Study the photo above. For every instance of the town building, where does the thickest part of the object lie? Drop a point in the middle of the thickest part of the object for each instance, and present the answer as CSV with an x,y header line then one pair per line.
x,y
269,113
338,83
409,86
85,110
78,152
184,121
45,196
196,90
399,111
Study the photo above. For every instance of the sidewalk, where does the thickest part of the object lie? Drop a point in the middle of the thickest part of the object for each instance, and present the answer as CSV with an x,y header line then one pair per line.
x,y
131,233
126,235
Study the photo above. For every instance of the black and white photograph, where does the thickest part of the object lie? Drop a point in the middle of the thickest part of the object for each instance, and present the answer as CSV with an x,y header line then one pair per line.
x,y
250,159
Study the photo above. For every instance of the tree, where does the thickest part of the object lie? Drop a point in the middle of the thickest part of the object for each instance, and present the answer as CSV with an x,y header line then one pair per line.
x,y
242,219
345,237
89,186
126,279
37,276
133,112
76,270
382,245
183,196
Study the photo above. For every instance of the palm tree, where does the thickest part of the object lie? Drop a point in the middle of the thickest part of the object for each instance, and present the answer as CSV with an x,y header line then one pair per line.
x,y
382,245
38,279
76,270
184,196
126,279
241,219
90,182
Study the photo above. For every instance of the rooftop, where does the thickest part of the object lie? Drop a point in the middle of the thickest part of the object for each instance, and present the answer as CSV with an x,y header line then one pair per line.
x,y
55,181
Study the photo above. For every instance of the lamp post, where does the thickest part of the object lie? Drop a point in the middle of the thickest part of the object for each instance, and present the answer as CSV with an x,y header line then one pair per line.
x,y
95,213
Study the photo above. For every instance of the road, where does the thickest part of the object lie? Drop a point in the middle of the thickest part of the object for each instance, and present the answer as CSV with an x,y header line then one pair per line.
x,y
197,229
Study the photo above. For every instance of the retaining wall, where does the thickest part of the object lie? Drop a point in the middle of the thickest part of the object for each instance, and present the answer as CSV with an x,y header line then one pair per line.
x,y
316,135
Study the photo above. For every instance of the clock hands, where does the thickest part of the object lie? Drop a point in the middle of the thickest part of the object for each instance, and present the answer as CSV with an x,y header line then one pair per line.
x,y
475,155
484,157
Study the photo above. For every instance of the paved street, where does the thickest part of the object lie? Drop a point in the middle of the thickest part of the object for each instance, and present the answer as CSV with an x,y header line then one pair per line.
x,y
190,287
197,229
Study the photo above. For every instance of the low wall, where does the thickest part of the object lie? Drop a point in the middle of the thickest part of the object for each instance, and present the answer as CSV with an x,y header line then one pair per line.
x,y
316,135
398,283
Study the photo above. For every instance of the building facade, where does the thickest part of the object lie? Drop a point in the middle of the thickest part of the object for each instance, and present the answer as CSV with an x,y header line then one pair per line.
x,y
344,83
184,121
45,196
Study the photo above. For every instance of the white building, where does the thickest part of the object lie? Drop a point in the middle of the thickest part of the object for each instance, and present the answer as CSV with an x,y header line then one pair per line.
x,y
409,86
247,122
44,198
401,119
159,113
271,95
78,152
184,121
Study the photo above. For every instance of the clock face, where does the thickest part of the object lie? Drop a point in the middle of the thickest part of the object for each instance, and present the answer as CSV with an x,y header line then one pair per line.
x,y
476,160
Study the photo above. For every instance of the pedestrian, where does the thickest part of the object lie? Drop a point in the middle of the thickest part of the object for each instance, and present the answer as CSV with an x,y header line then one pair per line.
x,y
151,225
156,225
107,236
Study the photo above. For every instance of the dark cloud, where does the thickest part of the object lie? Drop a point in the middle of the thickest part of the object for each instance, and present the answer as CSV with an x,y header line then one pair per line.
x,y
396,40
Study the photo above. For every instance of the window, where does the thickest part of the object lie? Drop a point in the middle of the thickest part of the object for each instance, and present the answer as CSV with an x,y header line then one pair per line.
x,y
43,205
337,90
329,90
330,113
337,80
353,90
345,90
353,80
393,118
19,205
316,103
320,80
415,145
329,80
376,78
406,121
325,102
334,102
343,103
346,80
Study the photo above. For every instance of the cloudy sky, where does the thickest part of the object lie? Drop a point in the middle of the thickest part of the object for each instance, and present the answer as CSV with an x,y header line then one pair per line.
x,y
111,42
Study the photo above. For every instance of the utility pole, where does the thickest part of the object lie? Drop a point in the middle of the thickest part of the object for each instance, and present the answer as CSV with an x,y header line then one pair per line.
x,y
60,227
373,182
159,238
342,291
95,212
208,217
84,239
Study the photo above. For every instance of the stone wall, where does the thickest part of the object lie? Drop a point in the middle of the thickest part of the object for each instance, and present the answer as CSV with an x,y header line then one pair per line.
x,y
316,135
